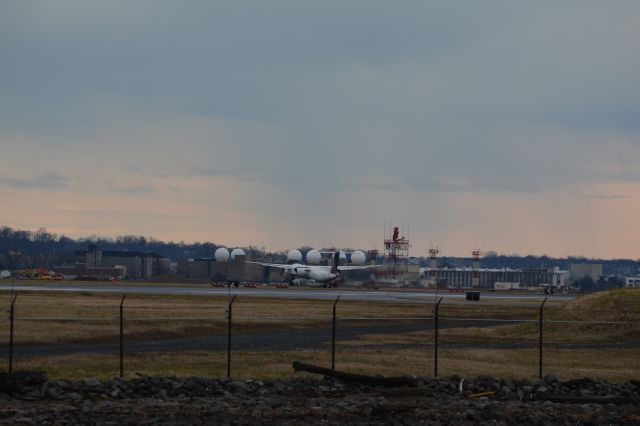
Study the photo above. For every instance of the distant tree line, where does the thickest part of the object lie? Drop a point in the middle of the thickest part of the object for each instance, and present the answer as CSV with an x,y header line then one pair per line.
x,y
27,249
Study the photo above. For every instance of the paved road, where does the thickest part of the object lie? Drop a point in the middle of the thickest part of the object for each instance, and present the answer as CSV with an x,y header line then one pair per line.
x,y
394,295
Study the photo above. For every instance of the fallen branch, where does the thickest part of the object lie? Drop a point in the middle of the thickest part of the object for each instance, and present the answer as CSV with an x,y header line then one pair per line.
x,y
482,394
356,378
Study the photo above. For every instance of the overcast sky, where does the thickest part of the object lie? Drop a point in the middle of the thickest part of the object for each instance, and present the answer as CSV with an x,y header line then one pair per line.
x,y
500,125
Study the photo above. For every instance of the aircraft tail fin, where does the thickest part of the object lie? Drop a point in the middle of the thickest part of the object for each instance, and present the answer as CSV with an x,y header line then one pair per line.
x,y
336,262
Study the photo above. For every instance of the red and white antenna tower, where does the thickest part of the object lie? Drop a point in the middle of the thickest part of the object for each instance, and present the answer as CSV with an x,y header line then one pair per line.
x,y
396,251
475,277
433,265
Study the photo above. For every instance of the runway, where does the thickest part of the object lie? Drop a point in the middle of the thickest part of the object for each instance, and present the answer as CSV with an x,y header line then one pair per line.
x,y
389,295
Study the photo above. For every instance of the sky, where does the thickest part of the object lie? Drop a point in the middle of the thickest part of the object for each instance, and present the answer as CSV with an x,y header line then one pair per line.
x,y
493,125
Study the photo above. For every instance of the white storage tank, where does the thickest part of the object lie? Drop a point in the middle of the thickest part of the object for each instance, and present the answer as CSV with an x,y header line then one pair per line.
x,y
294,256
237,252
358,258
313,257
222,255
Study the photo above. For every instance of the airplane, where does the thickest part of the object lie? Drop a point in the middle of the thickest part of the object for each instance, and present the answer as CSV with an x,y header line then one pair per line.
x,y
327,275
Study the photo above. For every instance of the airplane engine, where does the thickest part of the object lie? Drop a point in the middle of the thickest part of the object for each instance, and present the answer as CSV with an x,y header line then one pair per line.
x,y
287,276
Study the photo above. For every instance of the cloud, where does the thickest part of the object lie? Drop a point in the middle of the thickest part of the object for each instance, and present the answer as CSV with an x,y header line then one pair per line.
x,y
606,197
281,111
43,181
133,190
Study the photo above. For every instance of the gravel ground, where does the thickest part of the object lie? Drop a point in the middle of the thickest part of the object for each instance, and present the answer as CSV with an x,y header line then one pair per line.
x,y
29,398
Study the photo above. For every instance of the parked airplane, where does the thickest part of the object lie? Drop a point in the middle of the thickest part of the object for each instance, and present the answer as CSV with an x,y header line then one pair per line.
x,y
327,275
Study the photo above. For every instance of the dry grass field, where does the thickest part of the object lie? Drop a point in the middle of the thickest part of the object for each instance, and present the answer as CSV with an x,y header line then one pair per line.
x,y
386,338
57,317
610,364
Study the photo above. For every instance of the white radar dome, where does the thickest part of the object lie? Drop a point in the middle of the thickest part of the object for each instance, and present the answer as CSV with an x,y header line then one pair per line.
x,y
237,252
294,256
358,258
313,257
222,255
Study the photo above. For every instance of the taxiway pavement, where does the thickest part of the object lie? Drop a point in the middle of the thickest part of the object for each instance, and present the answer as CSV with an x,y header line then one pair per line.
x,y
391,295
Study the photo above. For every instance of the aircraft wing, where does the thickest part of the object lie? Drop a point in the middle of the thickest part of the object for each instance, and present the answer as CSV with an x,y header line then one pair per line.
x,y
273,265
354,268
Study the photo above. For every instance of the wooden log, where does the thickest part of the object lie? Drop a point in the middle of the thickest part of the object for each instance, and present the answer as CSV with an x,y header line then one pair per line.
x,y
356,378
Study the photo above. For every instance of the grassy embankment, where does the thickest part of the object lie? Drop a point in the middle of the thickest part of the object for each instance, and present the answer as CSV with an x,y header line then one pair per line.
x,y
611,317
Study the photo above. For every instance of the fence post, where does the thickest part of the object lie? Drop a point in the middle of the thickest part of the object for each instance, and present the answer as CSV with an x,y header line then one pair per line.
x,y
122,336
436,317
541,329
229,317
11,319
333,337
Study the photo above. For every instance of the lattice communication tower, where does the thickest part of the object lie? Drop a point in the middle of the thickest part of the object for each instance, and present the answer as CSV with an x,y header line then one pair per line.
x,y
396,253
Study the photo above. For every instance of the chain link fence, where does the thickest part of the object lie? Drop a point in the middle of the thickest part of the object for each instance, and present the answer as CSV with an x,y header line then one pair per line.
x,y
88,335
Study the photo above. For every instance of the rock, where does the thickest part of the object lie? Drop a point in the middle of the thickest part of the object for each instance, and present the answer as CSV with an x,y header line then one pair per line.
x,y
62,384
23,421
5,414
92,382
550,379
33,395
241,386
279,386
273,402
149,400
579,383
20,381
509,383
53,393
487,382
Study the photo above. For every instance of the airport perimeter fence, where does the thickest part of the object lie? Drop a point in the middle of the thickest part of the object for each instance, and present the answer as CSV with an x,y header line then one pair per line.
x,y
85,335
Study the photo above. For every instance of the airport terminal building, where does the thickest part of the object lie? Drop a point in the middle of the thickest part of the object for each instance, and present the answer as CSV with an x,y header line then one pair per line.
x,y
96,263
498,279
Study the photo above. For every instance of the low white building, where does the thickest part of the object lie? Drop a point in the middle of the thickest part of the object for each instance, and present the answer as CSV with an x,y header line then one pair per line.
x,y
632,281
